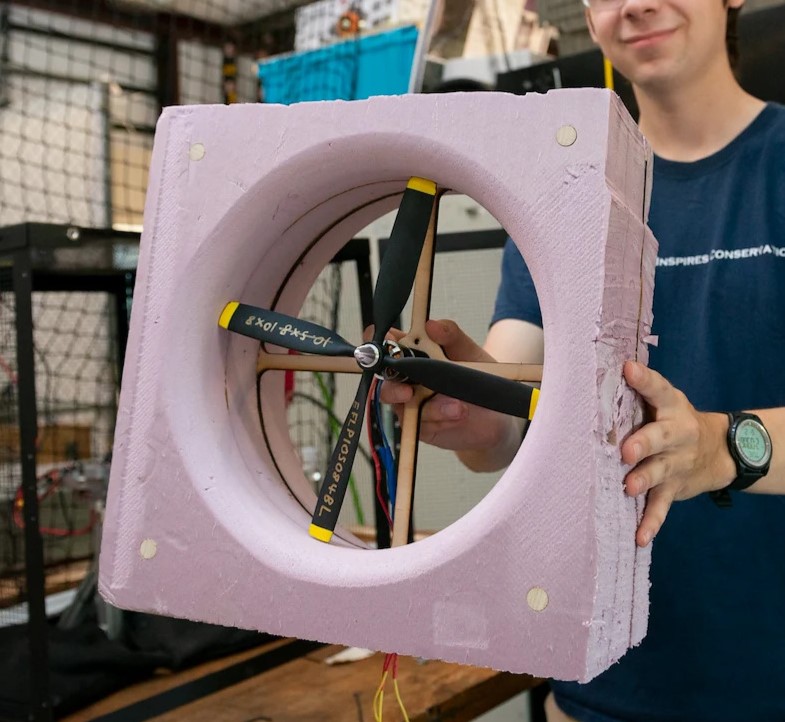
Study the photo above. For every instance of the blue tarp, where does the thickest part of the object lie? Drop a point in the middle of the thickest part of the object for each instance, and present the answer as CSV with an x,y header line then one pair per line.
x,y
355,69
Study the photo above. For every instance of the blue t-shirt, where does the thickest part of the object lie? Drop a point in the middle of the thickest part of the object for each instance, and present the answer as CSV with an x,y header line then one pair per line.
x,y
715,648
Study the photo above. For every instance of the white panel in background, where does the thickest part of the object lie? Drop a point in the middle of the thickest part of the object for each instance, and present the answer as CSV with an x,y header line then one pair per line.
x,y
457,213
52,146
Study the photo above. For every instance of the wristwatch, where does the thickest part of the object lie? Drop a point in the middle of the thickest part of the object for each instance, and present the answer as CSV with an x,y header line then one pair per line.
x,y
750,447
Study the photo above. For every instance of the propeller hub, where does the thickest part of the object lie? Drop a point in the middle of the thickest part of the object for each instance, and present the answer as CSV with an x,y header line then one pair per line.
x,y
368,355
394,350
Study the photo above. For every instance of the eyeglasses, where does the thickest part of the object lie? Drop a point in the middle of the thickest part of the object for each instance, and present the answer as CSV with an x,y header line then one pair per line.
x,y
600,5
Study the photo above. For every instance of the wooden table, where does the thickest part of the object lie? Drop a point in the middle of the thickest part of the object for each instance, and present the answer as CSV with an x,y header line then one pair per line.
x,y
306,689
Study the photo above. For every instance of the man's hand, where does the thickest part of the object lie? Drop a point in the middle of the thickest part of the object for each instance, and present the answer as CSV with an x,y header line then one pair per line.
x,y
485,440
679,454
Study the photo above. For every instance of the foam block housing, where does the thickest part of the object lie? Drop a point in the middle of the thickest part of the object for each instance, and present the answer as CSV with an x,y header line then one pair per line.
x,y
249,202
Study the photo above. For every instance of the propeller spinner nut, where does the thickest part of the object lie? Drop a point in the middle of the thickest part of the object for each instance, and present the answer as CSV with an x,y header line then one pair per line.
x,y
368,355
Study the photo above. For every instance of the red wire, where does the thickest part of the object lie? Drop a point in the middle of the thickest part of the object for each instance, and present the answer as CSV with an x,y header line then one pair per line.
x,y
391,663
55,480
376,461
9,371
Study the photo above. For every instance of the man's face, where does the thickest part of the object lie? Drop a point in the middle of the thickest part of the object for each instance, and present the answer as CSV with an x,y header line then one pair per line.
x,y
662,43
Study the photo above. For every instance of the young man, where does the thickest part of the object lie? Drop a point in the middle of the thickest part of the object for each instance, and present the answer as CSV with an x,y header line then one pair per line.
x,y
715,650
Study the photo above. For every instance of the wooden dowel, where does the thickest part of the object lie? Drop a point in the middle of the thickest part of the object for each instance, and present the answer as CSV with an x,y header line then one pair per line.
x,y
407,468
296,362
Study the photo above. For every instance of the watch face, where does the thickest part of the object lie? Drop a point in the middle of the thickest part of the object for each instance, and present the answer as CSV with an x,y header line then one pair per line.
x,y
753,444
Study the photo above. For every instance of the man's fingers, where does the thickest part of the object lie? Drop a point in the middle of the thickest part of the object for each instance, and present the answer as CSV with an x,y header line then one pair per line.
x,y
658,503
440,409
666,451
394,334
441,434
649,474
652,439
393,393
456,344
654,388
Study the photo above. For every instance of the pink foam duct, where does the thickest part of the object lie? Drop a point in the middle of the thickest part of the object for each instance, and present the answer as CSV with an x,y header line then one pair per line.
x,y
543,576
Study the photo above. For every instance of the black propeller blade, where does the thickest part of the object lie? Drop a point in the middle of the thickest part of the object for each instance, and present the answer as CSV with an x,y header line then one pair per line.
x,y
393,286
399,265
283,330
336,481
470,385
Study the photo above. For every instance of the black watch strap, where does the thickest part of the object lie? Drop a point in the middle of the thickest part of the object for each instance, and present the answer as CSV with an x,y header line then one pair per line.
x,y
749,445
722,498
747,470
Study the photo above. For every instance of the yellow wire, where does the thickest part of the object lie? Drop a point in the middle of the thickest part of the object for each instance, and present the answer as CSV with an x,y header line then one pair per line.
x,y
608,73
378,700
400,701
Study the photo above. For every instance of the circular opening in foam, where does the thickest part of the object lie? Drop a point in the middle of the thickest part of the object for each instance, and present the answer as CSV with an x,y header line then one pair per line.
x,y
279,261
314,403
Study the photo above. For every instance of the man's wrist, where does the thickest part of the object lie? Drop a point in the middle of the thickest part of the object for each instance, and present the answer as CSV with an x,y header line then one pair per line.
x,y
724,465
